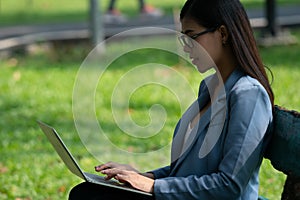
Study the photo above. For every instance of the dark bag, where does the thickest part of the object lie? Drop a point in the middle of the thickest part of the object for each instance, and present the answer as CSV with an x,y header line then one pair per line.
x,y
284,148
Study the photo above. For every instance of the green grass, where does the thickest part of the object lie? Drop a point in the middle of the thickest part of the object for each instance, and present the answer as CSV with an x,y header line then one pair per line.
x,y
44,11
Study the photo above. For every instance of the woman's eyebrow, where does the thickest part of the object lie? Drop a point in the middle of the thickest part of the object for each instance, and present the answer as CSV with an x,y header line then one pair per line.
x,y
186,32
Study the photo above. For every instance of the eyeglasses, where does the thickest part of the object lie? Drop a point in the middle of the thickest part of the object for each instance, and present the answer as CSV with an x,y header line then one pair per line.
x,y
185,40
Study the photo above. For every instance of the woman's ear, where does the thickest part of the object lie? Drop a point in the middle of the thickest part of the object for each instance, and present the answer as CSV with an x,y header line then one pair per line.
x,y
224,34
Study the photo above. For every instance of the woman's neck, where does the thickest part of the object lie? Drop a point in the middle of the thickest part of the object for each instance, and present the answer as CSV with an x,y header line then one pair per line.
x,y
227,65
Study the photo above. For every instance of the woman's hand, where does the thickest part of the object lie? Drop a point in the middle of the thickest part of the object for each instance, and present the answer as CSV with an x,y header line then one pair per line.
x,y
135,179
127,174
111,165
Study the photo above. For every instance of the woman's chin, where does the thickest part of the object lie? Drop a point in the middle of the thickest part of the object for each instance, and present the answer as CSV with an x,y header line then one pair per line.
x,y
200,67
202,70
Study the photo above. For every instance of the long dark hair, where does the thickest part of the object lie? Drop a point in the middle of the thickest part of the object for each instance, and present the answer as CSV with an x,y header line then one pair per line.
x,y
232,14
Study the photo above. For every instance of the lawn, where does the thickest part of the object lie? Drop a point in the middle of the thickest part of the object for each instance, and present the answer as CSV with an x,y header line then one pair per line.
x,y
39,86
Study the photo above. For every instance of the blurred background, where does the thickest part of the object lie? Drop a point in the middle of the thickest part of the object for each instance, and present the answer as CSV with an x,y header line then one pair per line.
x,y
42,46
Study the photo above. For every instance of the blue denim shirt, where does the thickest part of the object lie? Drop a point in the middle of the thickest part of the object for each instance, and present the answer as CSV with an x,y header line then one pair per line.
x,y
223,154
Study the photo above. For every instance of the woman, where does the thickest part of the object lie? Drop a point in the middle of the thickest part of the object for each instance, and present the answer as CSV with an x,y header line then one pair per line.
x,y
216,151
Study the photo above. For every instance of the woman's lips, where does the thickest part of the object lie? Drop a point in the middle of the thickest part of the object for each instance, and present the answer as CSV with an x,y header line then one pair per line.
x,y
194,60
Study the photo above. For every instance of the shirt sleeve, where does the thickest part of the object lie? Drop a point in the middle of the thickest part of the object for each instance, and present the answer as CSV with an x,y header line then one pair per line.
x,y
161,172
249,116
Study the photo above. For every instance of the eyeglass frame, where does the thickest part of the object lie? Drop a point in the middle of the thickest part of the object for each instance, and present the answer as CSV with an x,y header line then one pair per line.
x,y
182,38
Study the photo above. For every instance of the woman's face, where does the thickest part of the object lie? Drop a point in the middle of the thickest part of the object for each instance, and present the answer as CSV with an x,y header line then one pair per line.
x,y
207,48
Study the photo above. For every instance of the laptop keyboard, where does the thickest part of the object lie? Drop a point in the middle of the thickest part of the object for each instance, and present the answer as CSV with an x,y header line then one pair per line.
x,y
93,178
96,179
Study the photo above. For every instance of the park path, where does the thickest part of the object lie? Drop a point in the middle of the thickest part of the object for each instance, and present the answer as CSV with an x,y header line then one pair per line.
x,y
20,35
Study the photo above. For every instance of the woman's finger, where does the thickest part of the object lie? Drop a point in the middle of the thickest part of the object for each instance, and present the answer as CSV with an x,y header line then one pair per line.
x,y
111,172
107,165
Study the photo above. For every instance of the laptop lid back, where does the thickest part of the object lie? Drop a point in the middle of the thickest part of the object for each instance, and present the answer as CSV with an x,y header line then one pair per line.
x,y
61,149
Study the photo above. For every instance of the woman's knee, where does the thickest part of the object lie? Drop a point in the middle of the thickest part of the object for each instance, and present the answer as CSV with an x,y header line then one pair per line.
x,y
80,191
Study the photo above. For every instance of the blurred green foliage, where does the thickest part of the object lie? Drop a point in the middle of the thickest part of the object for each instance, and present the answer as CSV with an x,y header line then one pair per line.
x,y
54,11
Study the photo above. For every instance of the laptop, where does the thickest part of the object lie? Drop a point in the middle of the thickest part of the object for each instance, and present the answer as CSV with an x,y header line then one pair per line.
x,y
73,166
